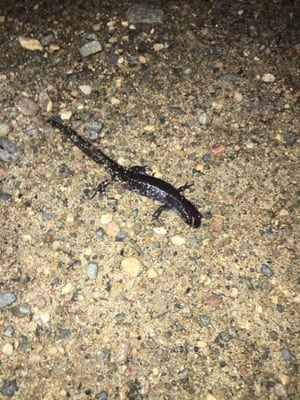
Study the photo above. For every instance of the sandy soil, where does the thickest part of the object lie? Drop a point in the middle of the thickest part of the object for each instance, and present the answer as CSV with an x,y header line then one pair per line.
x,y
98,300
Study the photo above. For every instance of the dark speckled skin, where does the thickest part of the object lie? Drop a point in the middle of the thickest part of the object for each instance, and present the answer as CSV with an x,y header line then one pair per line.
x,y
136,179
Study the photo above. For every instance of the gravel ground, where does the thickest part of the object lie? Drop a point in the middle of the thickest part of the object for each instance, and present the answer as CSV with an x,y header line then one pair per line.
x,y
100,301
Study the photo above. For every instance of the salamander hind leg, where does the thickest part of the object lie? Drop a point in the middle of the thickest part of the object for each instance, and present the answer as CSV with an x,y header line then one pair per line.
x,y
160,210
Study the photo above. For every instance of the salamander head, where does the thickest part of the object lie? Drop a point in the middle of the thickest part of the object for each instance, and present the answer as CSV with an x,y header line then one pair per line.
x,y
191,215
195,220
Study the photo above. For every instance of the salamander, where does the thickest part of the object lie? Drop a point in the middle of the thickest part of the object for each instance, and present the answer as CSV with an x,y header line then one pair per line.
x,y
136,179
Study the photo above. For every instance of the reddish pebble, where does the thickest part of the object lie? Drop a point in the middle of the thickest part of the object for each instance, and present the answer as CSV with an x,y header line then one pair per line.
x,y
242,371
27,106
213,300
217,150
112,229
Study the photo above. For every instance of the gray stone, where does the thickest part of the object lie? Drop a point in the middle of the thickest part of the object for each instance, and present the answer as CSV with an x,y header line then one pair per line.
x,y
90,48
144,14
9,152
6,299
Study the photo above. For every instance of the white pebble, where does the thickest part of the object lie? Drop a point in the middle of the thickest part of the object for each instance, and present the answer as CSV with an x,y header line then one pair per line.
x,y
86,89
30,43
158,46
114,101
92,271
178,240
131,266
105,218
7,349
160,230
152,273
268,78
66,115
68,288
204,119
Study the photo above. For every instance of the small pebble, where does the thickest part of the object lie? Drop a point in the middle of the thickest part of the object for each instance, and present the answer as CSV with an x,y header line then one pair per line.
x,y
120,236
284,379
27,106
142,59
66,115
96,27
280,390
183,375
4,129
160,230
7,349
290,139
8,331
30,43
237,97
9,152
204,320
100,234
47,39
6,299
228,77
105,218
39,302
90,48
85,89
268,78
288,356
225,336
5,196
152,273
178,240
48,216
68,288
21,310
218,104
92,271
217,150
266,270
131,266
283,212
204,119
158,47
93,127
34,358
112,229
9,388
103,357
142,13
199,167
114,101
253,31
44,317
209,396
45,102
103,395
53,47
149,128
65,333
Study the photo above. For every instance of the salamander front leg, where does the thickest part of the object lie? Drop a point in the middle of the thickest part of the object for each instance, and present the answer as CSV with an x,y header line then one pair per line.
x,y
102,186
184,187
